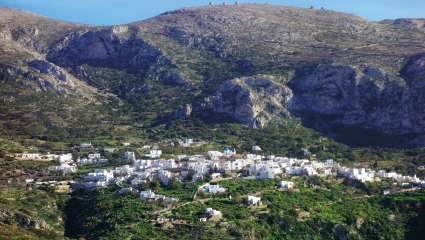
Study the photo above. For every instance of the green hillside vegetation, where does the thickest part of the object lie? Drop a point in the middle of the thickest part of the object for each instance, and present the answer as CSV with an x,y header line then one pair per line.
x,y
31,214
330,211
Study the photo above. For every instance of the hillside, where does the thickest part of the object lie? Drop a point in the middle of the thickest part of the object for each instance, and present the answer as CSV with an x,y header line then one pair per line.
x,y
320,115
359,82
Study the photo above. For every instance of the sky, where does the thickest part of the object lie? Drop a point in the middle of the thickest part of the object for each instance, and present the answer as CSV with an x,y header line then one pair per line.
x,y
109,12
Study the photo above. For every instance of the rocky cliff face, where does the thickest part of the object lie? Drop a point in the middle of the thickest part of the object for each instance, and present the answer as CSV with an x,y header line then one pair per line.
x,y
251,64
368,98
324,96
253,101
115,47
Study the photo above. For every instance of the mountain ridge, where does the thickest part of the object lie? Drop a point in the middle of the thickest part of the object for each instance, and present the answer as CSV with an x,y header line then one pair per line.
x,y
185,57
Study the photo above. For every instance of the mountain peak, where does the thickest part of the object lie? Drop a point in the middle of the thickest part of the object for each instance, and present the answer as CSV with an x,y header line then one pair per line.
x,y
247,12
336,67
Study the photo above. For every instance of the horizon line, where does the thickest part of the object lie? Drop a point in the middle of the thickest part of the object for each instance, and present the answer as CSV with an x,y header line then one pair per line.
x,y
189,7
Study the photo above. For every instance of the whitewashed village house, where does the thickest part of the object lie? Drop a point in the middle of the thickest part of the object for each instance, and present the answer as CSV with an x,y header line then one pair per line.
x,y
154,153
253,200
285,185
213,189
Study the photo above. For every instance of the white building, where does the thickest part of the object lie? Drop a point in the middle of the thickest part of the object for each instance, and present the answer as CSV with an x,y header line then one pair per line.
x,y
359,174
66,168
65,158
29,180
256,149
286,185
253,200
150,195
130,156
213,213
265,170
154,153
295,171
213,189
254,157
329,163
166,199
229,151
124,170
147,195
99,178
265,173
169,164
199,168
310,170
187,142
234,165
100,175
182,157
164,177
86,145
94,156
215,155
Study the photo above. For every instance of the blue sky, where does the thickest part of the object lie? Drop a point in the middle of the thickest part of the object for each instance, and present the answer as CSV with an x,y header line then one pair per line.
x,y
106,12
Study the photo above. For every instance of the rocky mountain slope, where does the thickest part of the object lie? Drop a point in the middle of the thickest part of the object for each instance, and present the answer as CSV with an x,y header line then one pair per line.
x,y
355,80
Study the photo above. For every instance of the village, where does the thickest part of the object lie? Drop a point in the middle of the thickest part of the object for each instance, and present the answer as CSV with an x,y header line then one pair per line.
x,y
207,169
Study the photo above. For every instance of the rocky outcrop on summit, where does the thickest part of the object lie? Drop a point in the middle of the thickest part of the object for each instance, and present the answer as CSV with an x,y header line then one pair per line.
x,y
418,24
252,101
32,31
263,36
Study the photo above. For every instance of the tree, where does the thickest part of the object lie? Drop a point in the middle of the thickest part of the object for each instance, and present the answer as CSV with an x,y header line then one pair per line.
x,y
155,186
237,197
175,184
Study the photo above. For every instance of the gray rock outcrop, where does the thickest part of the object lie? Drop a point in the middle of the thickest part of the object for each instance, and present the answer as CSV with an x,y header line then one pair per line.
x,y
23,220
365,98
116,47
253,101
48,68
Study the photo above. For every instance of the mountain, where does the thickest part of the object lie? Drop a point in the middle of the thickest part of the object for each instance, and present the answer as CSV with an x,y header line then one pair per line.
x,y
357,81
